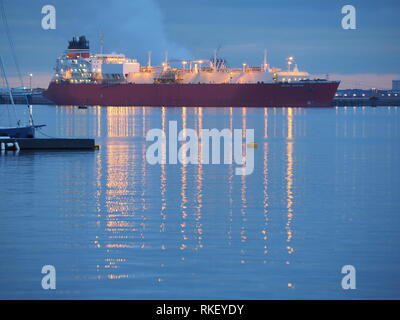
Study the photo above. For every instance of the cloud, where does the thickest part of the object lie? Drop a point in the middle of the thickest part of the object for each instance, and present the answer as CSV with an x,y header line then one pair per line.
x,y
133,28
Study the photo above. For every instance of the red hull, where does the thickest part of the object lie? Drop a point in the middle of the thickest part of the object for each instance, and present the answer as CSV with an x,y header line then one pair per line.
x,y
307,94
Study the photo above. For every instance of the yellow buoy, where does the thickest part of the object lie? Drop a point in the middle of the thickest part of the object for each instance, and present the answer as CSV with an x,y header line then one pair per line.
x,y
253,145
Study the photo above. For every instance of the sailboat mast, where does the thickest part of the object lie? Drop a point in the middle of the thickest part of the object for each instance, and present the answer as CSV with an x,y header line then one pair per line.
x,y
30,111
6,81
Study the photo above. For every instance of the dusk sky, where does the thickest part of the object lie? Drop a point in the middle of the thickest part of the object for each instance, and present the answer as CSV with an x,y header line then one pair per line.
x,y
309,30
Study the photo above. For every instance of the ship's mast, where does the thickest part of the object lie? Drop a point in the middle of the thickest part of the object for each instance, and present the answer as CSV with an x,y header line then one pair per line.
x,y
149,59
3,13
3,71
215,61
265,60
289,62
101,42
166,59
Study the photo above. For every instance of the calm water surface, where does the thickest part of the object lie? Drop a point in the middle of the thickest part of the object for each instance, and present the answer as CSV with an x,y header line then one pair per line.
x,y
324,193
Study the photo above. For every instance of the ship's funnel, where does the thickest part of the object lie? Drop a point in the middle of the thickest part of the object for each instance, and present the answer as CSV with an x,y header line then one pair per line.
x,y
78,48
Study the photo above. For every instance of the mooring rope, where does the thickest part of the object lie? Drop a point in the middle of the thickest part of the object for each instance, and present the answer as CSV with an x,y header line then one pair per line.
x,y
46,135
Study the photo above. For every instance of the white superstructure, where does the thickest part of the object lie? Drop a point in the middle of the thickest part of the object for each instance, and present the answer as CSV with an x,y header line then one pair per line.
x,y
78,66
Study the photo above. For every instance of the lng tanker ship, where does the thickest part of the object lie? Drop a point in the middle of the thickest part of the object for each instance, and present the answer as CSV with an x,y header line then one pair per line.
x,y
113,80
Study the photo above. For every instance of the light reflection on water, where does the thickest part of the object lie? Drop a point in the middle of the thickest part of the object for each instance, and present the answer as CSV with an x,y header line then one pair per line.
x,y
324,193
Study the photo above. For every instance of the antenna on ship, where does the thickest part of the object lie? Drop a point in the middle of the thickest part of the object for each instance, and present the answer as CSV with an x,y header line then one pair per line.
x,y
149,58
166,59
265,60
101,38
289,62
215,61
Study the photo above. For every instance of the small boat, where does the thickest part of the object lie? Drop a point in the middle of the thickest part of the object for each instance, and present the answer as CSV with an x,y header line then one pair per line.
x,y
18,131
